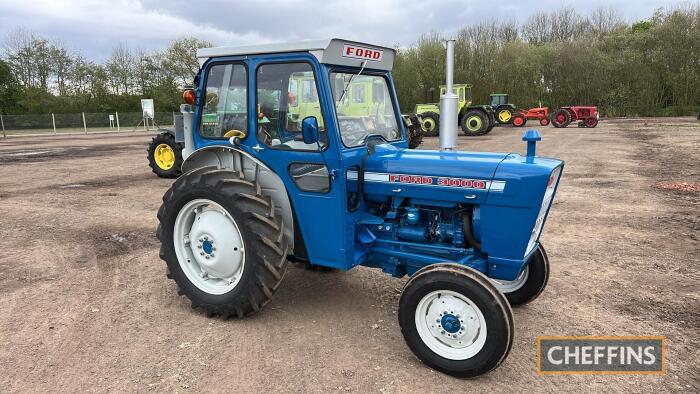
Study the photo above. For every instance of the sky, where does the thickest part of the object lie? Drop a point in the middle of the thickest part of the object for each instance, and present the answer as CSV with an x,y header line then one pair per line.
x,y
94,27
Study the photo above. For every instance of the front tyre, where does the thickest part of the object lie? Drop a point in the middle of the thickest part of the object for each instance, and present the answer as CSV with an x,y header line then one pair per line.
x,y
531,281
455,320
222,242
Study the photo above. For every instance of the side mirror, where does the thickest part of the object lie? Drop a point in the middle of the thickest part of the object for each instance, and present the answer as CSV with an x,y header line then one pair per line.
x,y
309,130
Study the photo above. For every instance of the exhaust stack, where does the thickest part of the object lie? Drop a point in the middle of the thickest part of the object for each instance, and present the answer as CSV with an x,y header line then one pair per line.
x,y
448,104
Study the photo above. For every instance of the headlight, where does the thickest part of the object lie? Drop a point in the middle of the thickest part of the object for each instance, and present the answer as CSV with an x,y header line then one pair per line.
x,y
546,202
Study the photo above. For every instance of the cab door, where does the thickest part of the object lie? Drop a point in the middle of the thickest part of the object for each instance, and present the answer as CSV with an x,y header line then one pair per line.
x,y
308,170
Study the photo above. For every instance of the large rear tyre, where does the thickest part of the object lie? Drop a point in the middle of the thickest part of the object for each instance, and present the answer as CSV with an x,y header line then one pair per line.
x,y
415,134
561,118
455,320
430,123
165,156
504,114
531,281
222,242
474,123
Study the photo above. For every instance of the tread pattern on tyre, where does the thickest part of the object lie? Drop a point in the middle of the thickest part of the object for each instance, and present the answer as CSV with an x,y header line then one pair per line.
x,y
485,123
436,118
415,134
530,290
263,232
165,138
557,124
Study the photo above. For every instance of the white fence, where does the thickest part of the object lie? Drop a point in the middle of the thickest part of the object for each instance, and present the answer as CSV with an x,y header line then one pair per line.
x,y
83,122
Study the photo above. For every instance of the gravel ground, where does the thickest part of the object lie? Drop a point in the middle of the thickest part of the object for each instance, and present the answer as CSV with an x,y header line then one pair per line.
x,y
86,306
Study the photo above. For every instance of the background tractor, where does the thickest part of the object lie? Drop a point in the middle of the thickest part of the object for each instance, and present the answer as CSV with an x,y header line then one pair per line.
x,y
540,114
502,108
473,119
586,116
339,188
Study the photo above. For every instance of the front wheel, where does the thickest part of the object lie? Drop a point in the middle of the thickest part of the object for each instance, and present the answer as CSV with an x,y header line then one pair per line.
x,y
531,281
544,122
591,122
455,320
222,242
519,120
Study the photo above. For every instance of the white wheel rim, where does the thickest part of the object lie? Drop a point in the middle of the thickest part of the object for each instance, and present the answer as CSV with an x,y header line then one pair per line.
x,y
451,325
509,286
209,246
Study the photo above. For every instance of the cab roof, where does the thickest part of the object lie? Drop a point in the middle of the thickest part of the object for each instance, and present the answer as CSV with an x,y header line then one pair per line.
x,y
334,51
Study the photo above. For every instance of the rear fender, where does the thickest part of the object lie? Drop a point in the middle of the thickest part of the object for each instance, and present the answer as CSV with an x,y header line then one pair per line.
x,y
226,157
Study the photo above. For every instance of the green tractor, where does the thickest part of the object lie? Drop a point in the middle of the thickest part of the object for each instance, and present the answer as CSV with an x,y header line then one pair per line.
x,y
473,119
503,109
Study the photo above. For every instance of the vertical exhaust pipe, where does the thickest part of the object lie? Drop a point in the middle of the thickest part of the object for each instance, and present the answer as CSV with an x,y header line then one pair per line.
x,y
448,104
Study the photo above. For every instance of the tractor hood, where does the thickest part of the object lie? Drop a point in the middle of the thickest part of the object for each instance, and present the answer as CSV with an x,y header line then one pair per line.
x,y
446,176
388,158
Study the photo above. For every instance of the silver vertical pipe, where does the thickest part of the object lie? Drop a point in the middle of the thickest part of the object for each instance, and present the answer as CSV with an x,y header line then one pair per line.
x,y
450,68
84,124
53,121
449,104
116,115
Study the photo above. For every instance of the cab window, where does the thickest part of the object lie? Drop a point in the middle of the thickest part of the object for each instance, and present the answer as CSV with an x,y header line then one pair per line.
x,y
358,93
224,111
286,94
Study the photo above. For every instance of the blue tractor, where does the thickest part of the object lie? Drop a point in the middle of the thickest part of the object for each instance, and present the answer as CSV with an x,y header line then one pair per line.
x,y
338,188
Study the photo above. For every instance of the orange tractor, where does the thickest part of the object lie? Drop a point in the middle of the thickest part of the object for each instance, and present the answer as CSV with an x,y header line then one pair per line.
x,y
541,114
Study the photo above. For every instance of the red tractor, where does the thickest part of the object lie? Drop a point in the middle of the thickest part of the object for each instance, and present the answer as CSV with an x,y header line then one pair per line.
x,y
586,116
541,114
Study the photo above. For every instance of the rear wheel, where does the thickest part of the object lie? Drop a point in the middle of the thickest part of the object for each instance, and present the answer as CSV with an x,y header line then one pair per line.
x,y
222,242
455,320
519,120
430,123
165,156
591,122
504,114
530,283
474,123
415,135
561,118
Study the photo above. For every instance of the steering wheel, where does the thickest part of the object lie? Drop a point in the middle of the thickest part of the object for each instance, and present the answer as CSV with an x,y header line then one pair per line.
x,y
235,133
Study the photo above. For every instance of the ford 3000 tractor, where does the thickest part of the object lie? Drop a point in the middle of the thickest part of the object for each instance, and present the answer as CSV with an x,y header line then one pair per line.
x,y
340,189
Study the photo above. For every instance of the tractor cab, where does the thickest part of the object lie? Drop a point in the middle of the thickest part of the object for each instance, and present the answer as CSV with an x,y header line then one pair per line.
x,y
463,92
498,99
297,152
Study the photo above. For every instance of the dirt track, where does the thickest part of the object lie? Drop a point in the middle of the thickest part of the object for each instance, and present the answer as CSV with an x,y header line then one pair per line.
x,y
85,304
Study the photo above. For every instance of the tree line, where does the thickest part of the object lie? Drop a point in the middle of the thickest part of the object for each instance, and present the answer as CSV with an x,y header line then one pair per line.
x,y
647,68
38,75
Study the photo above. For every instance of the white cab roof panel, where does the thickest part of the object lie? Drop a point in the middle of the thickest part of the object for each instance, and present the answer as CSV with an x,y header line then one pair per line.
x,y
334,51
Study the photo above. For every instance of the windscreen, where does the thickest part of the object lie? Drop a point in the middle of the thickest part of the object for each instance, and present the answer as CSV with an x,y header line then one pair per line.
x,y
364,108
